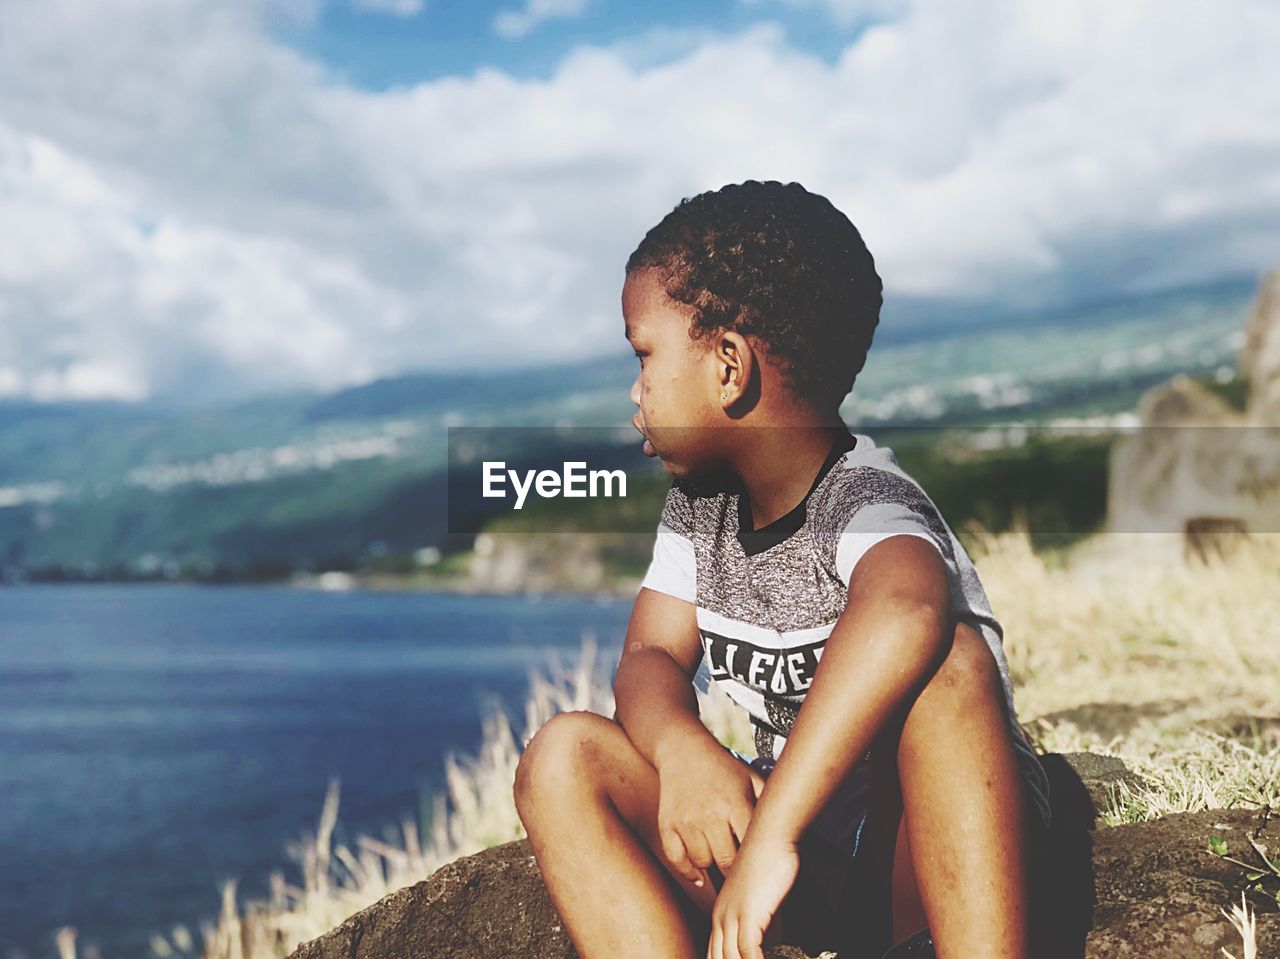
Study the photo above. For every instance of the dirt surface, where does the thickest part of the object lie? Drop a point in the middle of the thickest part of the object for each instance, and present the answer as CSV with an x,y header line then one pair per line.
x,y
1150,890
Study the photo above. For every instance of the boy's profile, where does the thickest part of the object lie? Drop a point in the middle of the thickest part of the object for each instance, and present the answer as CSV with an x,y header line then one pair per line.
x,y
799,564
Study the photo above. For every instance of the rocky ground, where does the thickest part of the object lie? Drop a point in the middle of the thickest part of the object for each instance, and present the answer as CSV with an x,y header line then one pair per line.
x,y
1150,890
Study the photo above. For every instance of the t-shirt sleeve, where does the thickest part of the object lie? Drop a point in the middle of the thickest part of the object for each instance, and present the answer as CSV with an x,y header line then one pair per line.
x,y
874,524
674,569
872,505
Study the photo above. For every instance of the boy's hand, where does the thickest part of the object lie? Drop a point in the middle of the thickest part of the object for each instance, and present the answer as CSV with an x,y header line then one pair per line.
x,y
706,797
751,897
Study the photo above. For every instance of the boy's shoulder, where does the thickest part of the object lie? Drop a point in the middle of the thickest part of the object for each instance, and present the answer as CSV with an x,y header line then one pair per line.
x,y
869,492
867,475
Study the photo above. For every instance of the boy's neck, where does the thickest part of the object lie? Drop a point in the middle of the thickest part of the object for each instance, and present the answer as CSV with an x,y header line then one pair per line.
x,y
779,464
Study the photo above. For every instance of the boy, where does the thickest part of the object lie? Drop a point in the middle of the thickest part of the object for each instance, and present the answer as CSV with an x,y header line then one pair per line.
x,y
907,797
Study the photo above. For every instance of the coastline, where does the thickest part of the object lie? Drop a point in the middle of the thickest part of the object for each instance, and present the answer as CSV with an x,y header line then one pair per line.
x,y
619,588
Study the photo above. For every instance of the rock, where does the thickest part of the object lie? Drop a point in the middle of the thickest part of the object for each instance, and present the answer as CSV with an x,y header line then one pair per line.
x,y
514,562
1102,776
1260,354
1191,465
1195,466
1149,889
563,560
489,905
1181,401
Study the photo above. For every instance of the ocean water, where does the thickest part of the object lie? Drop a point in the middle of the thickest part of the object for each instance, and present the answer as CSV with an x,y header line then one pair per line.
x,y
156,740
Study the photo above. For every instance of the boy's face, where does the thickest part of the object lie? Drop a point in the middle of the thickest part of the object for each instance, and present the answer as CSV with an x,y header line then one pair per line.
x,y
677,387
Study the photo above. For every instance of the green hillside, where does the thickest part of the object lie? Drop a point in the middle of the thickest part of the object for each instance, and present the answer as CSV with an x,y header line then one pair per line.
x,y
355,480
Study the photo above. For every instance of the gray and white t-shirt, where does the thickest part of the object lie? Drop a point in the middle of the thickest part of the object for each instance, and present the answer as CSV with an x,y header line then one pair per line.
x,y
768,599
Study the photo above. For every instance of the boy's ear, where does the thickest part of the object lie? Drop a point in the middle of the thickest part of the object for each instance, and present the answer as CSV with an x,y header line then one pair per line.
x,y
735,367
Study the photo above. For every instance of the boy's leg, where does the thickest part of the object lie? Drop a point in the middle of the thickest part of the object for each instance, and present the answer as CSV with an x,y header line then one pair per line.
x,y
589,802
955,856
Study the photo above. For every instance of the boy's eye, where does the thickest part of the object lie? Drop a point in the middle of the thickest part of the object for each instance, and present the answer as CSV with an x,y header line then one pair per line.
x,y
640,356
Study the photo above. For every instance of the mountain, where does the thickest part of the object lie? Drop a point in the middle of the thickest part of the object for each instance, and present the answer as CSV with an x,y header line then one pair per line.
x,y
334,481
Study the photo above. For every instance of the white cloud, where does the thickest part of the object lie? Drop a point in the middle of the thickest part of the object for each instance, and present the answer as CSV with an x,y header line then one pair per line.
x,y
396,8
104,298
517,24
184,202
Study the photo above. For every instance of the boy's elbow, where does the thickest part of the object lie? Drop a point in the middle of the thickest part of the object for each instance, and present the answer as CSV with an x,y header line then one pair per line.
x,y
920,624
930,613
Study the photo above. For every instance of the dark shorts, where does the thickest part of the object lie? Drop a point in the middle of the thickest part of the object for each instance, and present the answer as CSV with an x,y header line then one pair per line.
x,y
835,903
842,897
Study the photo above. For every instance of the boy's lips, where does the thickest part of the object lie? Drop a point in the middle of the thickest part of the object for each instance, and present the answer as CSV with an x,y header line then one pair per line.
x,y
647,448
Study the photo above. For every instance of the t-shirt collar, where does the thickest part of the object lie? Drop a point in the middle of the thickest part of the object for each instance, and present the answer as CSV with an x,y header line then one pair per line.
x,y
755,541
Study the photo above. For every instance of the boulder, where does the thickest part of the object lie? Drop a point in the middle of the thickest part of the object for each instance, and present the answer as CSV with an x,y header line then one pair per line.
x,y
1181,401
1148,889
1195,466
489,905
1100,776
1260,353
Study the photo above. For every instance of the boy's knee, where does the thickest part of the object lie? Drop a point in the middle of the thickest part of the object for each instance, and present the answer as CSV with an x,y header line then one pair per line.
x,y
553,755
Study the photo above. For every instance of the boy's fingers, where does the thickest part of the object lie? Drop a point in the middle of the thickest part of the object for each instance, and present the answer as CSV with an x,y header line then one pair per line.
x,y
723,849
714,950
673,848
739,821
699,849
757,783
749,944
730,944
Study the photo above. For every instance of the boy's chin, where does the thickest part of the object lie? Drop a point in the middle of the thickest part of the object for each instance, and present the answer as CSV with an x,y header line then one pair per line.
x,y
700,479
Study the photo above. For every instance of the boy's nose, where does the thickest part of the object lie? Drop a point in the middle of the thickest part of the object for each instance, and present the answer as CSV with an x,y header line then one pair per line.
x,y
635,390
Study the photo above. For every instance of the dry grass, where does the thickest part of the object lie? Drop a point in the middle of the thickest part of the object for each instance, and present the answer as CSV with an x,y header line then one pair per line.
x,y
1120,646
1128,619
1183,772
1246,923
1124,647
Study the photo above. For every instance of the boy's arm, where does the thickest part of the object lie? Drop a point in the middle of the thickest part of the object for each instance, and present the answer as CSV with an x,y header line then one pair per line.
x,y
884,644
652,686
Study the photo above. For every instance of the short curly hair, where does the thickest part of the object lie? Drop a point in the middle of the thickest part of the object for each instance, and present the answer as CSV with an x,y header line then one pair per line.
x,y
775,262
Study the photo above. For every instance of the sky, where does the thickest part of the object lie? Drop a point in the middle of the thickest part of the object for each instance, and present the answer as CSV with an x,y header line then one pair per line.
x,y
209,199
